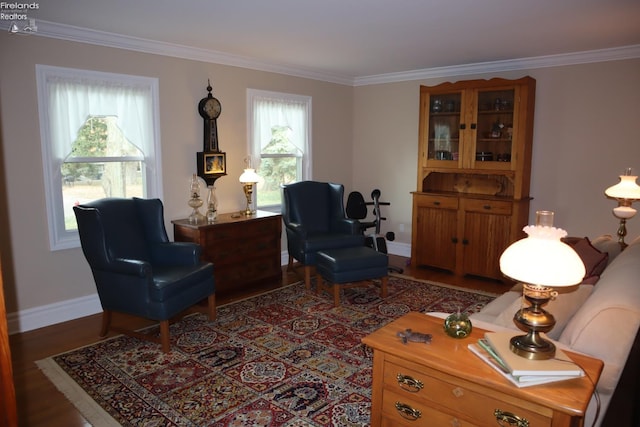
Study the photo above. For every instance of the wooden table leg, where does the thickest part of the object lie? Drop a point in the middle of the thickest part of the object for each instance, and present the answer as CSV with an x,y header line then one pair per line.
x,y
383,286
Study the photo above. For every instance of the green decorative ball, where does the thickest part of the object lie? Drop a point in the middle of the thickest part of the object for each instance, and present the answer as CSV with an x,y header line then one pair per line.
x,y
457,325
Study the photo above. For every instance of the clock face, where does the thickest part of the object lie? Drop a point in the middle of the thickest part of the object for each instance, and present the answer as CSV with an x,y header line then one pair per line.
x,y
212,108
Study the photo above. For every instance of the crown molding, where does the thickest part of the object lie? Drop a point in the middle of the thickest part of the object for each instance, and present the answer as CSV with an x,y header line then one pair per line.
x,y
101,38
573,58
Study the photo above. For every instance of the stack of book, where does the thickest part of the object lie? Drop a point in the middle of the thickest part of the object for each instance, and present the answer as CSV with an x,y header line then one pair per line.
x,y
494,350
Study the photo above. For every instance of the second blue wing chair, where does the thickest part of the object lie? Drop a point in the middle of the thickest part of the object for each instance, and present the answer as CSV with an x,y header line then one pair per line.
x,y
314,219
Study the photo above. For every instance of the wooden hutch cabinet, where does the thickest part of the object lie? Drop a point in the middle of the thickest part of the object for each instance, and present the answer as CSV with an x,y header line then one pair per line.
x,y
474,168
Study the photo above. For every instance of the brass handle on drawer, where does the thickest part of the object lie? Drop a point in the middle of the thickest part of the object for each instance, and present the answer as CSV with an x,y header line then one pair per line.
x,y
407,412
409,384
436,203
512,419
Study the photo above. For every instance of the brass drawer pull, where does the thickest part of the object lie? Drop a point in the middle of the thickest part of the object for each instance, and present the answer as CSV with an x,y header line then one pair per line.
x,y
409,384
407,412
511,419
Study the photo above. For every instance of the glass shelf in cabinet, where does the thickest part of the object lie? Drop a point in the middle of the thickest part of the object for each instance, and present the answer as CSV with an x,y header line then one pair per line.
x,y
494,140
483,112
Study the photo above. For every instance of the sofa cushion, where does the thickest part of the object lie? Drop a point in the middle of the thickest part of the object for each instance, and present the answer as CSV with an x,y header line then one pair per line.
x,y
567,302
606,325
594,261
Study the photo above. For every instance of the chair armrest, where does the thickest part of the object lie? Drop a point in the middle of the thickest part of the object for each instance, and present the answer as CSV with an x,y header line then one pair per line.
x,y
176,253
298,229
347,225
130,267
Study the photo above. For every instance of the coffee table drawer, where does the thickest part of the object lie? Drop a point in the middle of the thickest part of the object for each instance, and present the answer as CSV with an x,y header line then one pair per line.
x,y
420,390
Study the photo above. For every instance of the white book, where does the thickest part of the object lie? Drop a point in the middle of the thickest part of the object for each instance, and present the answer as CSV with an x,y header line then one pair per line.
x,y
519,381
518,366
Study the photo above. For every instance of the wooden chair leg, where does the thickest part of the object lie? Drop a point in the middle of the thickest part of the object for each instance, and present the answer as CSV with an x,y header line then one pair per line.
x,y
336,295
165,338
383,286
211,307
307,277
290,264
106,323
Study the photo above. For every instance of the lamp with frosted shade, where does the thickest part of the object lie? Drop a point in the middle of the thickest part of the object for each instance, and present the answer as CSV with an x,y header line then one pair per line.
x,y
541,261
249,178
625,192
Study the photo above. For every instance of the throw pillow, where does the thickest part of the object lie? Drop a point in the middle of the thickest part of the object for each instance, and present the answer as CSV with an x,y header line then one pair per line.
x,y
566,303
594,261
606,243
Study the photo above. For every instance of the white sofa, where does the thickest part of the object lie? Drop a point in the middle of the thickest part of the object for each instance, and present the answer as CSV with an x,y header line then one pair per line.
x,y
599,319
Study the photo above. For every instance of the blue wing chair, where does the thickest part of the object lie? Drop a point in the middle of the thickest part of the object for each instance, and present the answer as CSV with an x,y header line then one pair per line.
x,y
137,270
314,219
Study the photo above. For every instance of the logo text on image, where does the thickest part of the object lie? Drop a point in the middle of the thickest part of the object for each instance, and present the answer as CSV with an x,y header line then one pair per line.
x,y
15,11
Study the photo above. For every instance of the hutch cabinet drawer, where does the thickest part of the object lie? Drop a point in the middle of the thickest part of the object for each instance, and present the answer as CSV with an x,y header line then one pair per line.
x,y
476,404
488,206
436,201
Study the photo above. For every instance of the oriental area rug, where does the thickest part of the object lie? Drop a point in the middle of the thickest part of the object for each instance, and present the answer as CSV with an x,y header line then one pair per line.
x,y
281,359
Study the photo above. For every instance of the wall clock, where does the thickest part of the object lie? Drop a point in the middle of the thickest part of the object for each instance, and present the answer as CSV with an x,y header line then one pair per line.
x,y
211,162
210,109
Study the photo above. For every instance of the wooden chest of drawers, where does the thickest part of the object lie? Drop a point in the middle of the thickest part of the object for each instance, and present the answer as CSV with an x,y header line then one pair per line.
x,y
245,251
444,384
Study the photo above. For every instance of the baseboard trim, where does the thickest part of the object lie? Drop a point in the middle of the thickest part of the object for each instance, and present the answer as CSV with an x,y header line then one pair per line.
x,y
50,314
400,249
63,311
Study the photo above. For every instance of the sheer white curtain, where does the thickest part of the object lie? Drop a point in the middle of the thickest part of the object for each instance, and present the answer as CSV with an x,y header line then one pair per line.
x,y
73,99
271,110
66,99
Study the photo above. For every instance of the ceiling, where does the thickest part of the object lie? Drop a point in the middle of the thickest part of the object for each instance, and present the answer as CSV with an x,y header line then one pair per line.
x,y
352,39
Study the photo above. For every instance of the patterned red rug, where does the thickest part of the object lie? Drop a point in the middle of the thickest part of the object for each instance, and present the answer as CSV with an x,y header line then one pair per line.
x,y
285,358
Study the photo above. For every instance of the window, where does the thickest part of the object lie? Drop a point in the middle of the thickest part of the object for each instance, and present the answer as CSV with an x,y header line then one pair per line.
x,y
279,142
99,139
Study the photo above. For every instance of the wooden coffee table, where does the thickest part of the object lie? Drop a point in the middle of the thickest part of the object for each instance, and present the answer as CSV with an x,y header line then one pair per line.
x,y
445,384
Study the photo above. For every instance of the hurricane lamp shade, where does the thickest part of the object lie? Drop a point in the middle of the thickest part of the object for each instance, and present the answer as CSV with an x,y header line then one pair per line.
x,y
541,261
625,192
249,178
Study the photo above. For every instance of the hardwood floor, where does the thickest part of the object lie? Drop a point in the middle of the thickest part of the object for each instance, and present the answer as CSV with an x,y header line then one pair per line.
x,y
41,404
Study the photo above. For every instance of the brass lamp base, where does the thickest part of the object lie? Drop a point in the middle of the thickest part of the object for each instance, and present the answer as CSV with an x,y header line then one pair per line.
x,y
622,232
533,347
533,320
248,192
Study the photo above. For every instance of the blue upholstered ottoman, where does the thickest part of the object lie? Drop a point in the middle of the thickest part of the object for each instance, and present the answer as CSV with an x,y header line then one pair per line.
x,y
340,267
